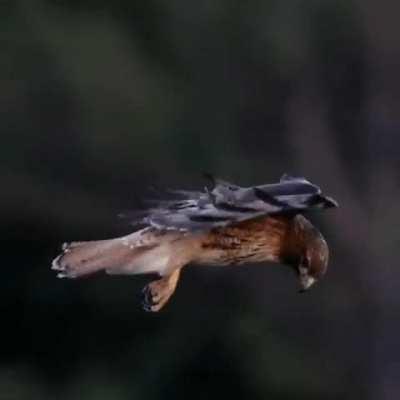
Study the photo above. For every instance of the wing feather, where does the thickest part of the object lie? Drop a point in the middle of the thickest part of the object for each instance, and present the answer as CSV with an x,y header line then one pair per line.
x,y
226,204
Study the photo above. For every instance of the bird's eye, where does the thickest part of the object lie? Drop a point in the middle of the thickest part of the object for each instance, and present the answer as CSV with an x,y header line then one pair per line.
x,y
303,270
303,266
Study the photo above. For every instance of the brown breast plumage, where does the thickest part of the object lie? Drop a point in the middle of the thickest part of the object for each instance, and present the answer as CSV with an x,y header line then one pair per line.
x,y
249,241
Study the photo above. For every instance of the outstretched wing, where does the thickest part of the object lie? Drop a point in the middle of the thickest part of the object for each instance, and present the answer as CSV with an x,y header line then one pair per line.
x,y
227,204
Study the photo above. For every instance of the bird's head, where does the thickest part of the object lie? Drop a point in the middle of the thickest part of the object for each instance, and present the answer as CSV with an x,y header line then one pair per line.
x,y
310,253
313,263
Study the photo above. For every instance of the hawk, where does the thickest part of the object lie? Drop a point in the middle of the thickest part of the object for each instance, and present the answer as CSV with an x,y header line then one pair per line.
x,y
224,225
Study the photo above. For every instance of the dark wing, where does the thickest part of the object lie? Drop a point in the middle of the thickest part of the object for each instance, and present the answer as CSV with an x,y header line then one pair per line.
x,y
227,204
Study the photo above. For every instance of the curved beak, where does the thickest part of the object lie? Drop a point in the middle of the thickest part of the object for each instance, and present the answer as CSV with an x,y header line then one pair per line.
x,y
306,281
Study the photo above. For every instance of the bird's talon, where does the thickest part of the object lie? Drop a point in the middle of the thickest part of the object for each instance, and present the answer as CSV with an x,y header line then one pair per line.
x,y
149,300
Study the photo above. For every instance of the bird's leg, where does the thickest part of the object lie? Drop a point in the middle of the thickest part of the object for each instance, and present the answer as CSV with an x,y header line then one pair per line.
x,y
157,293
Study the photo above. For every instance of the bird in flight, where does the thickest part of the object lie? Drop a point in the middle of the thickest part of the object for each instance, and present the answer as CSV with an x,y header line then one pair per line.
x,y
224,225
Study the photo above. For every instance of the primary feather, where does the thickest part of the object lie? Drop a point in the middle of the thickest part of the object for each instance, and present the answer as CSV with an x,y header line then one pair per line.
x,y
226,204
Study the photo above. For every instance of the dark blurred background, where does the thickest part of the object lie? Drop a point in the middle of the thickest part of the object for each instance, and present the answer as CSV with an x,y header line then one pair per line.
x,y
102,99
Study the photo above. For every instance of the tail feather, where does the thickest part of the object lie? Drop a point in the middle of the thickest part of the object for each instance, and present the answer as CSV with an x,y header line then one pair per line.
x,y
84,258
143,251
